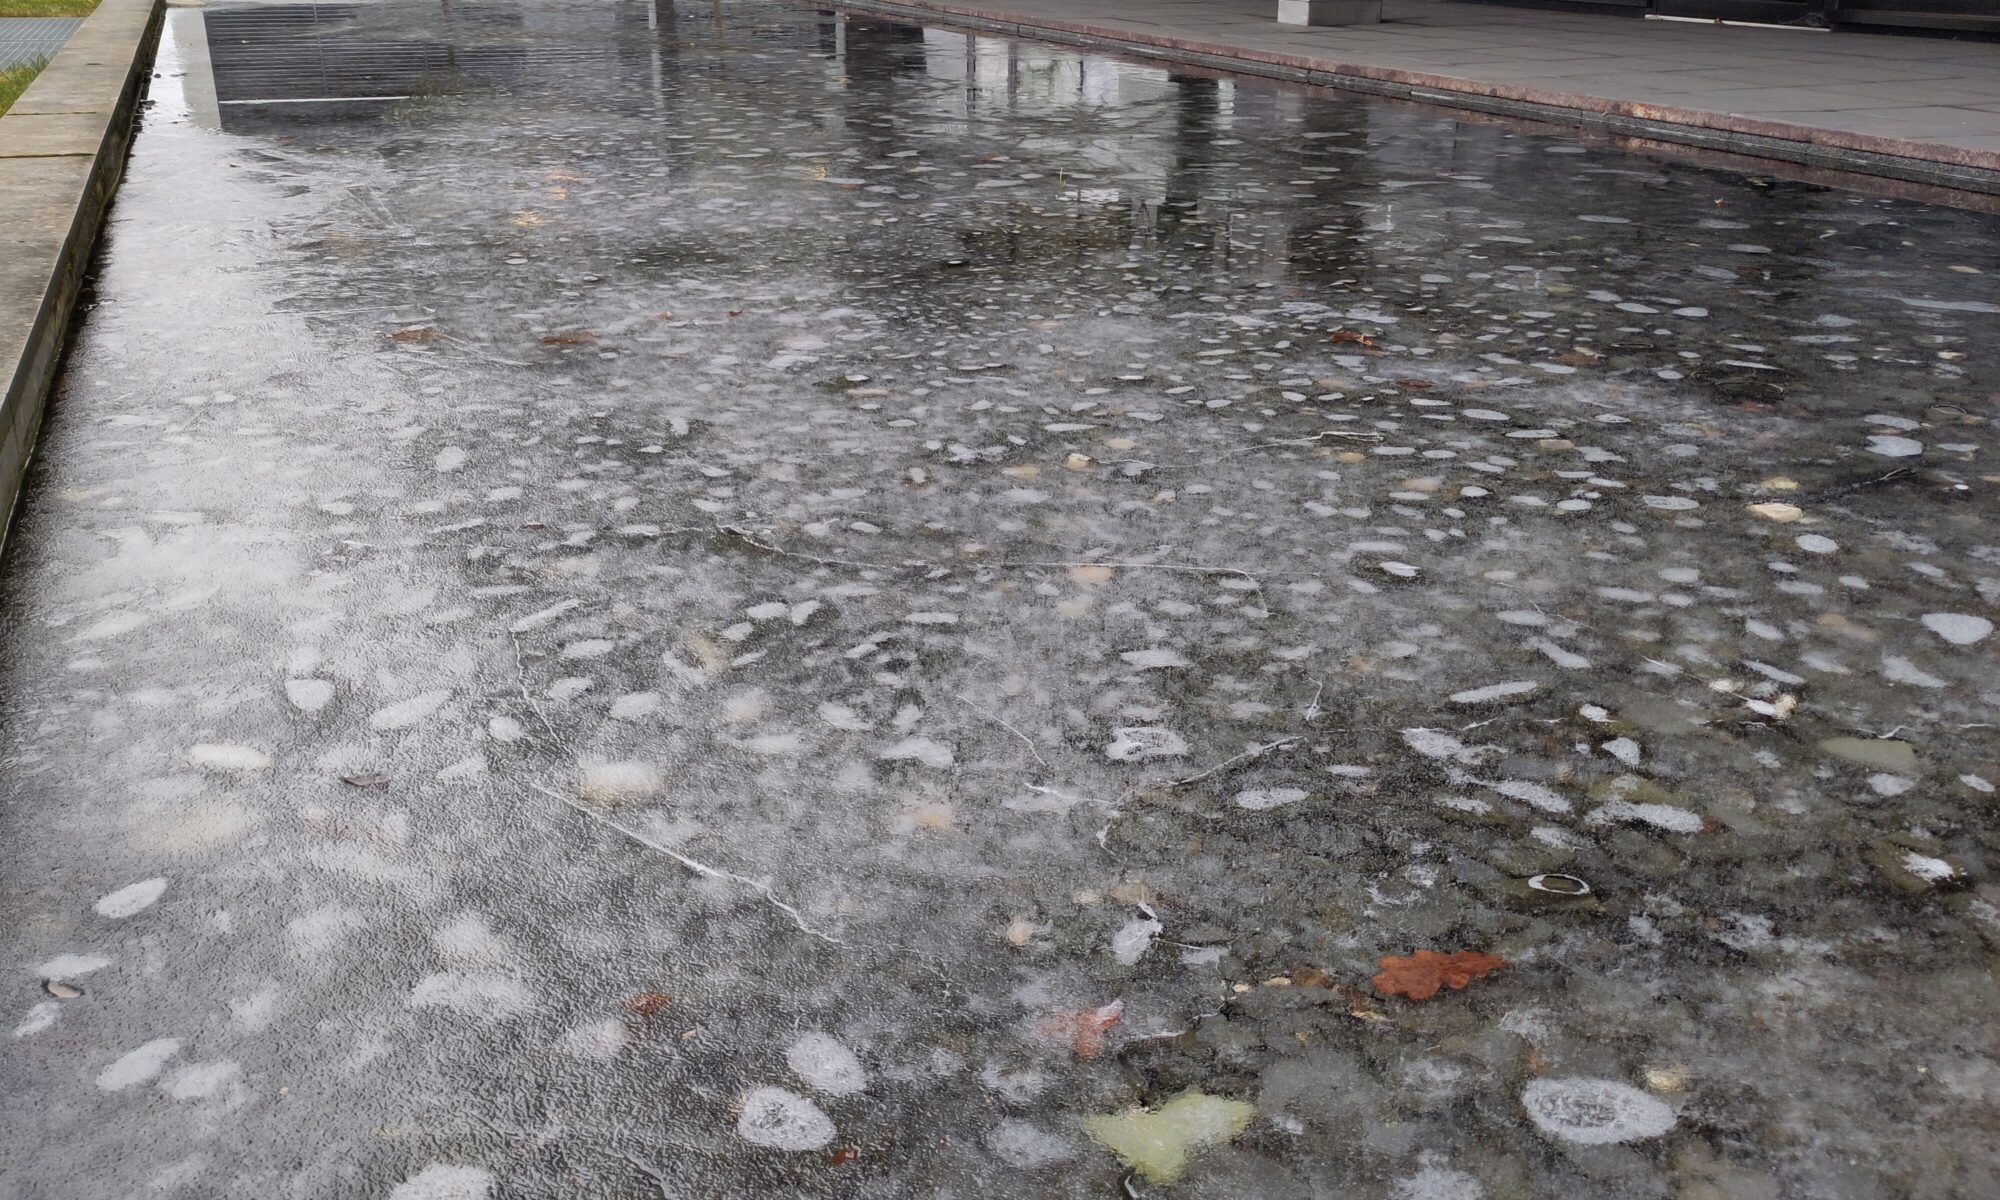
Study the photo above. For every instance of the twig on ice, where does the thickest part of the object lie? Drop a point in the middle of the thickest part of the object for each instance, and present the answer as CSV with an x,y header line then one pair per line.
x,y
1225,764
699,868
1001,722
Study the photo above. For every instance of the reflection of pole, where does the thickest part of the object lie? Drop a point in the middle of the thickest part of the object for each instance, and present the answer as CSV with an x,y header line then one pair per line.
x,y
450,50
653,27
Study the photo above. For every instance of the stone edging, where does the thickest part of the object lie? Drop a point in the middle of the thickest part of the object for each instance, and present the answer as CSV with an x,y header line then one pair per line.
x,y
1893,158
62,150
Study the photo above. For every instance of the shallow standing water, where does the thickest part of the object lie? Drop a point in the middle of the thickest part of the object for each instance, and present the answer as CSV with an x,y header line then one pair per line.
x,y
714,602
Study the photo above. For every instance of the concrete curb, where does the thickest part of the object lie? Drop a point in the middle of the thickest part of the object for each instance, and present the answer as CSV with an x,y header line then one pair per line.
x,y
62,150
1927,163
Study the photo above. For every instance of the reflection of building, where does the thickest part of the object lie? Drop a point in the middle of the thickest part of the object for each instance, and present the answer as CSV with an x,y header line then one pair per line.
x,y
1970,15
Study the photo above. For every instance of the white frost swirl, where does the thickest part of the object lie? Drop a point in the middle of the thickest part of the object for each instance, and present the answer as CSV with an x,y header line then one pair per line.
x,y
1595,1112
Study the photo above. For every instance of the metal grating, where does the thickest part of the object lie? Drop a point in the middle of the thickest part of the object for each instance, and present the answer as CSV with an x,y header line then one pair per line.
x,y
32,39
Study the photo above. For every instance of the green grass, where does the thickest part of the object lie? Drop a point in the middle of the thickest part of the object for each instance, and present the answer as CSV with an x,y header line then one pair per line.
x,y
46,8
14,81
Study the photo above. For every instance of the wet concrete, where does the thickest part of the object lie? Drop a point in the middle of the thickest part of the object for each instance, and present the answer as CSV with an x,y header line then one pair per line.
x,y
799,609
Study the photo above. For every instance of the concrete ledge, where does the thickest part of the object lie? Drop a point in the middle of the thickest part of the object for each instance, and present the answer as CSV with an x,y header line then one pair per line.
x,y
62,150
1928,163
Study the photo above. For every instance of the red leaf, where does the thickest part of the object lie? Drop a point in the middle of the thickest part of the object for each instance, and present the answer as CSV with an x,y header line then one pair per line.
x,y
1084,1031
647,1003
1421,975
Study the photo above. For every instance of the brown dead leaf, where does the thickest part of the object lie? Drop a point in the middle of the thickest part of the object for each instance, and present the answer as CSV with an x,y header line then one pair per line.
x,y
1578,358
645,1004
734,312
422,333
1421,975
575,337
1349,337
842,1156
1312,977
1414,385
1084,1031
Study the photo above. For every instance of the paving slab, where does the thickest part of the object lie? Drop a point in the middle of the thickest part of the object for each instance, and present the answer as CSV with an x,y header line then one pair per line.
x,y
1526,62
62,148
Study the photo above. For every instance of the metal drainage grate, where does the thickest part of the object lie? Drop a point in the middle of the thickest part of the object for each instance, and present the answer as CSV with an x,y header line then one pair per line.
x,y
31,39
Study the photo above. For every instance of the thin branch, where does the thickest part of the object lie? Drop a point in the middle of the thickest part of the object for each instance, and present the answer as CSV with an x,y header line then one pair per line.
x,y
699,868
521,682
1356,434
1002,723
742,534
1253,752
1141,566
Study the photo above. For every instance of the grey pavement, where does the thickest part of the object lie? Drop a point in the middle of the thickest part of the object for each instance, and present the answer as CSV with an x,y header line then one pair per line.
x,y
1929,92
730,603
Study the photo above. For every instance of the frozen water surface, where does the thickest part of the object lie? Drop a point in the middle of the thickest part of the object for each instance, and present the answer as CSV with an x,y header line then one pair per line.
x,y
741,605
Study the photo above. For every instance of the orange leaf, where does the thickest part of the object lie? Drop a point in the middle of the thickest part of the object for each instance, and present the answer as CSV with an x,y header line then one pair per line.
x,y
1421,975
1084,1031
421,334
1347,335
842,1156
647,1003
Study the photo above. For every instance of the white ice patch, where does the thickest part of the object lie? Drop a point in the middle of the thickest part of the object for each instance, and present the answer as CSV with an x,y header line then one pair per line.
x,y
1594,1112
69,966
1542,797
1435,1181
505,729
1027,1145
220,757
1660,816
1258,799
408,712
478,994
1960,629
1154,659
1434,743
616,782
445,1181
783,1120
138,1066
1926,868
1132,940
201,1081
826,1065
308,695
1897,669
451,458
635,706
919,749
1890,446
39,1017
1138,742
132,898
598,1041
324,928
1496,692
